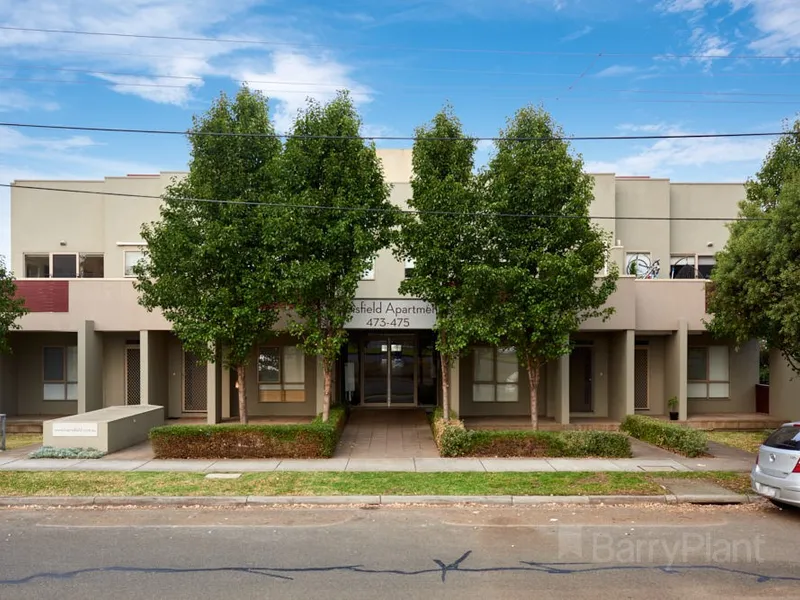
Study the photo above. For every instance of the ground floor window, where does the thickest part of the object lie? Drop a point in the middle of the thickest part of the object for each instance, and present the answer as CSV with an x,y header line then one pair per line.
x,y
281,374
495,373
60,373
708,372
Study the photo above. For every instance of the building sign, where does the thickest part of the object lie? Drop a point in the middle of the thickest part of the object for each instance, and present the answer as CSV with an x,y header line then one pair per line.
x,y
68,429
392,314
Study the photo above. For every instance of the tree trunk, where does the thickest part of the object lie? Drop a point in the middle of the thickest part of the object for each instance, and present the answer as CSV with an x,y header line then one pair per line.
x,y
327,372
445,362
534,375
241,375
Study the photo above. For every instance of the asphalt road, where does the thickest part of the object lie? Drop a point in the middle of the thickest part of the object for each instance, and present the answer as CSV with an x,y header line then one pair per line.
x,y
460,552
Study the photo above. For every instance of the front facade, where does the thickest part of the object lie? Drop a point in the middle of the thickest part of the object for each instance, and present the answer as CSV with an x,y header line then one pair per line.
x,y
87,344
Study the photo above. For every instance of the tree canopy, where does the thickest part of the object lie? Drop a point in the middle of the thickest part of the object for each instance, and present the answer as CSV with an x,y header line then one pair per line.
x,y
444,239
210,264
546,266
328,249
755,290
12,307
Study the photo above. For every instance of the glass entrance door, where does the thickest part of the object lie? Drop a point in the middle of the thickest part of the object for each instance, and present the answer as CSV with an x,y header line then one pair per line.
x,y
390,370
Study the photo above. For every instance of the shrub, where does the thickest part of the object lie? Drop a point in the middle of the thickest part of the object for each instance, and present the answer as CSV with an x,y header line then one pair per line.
x,y
51,452
670,436
453,439
312,440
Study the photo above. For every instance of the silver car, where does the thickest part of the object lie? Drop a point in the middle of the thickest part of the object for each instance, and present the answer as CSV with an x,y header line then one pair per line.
x,y
776,474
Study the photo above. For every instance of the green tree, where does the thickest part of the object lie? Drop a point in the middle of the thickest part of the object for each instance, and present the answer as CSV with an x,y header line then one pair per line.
x,y
12,307
755,288
329,248
210,267
444,238
547,266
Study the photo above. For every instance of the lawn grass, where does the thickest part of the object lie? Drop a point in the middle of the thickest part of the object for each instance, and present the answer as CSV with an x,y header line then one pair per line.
x,y
20,440
736,482
749,441
54,483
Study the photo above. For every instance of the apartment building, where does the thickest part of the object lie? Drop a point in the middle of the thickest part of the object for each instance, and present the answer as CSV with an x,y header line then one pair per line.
x,y
87,344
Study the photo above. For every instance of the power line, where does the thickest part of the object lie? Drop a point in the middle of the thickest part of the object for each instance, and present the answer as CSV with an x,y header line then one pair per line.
x,y
158,76
377,210
592,99
262,42
576,138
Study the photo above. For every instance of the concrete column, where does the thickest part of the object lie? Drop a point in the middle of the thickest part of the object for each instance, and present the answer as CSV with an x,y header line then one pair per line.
x,y
90,368
561,389
621,374
226,393
320,385
455,387
676,367
214,390
784,388
154,368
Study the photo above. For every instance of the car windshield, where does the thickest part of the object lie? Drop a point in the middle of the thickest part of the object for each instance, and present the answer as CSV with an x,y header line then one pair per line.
x,y
786,438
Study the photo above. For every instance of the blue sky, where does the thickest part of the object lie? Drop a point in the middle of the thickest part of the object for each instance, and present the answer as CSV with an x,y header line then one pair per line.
x,y
591,63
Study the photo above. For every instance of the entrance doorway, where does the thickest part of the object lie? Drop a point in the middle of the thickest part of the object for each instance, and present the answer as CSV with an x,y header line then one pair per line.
x,y
580,380
390,373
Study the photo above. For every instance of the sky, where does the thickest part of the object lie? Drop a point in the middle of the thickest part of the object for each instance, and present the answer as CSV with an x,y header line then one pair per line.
x,y
601,67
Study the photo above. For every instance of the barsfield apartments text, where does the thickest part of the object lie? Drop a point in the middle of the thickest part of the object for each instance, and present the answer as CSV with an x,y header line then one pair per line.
x,y
691,547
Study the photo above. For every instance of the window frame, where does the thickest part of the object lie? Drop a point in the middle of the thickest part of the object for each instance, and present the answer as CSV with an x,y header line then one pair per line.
x,y
629,256
125,253
708,382
494,382
79,260
282,390
65,380
695,264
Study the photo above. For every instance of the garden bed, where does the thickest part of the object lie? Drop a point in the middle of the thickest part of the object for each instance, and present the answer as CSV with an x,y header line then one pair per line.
x,y
312,440
670,436
453,440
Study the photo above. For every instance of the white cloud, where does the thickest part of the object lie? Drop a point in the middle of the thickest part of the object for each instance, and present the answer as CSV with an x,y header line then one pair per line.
x,y
583,31
19,100
645,128
149,59
666,157
299,77
617,71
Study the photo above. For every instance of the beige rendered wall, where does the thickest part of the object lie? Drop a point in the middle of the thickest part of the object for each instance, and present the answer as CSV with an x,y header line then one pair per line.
x,y
605,203
155,367
697,200
645,197
114,367
675,367
28,355
620,374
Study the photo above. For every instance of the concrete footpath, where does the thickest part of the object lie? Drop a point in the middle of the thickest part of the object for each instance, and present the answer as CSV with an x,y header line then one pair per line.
x,y
409,465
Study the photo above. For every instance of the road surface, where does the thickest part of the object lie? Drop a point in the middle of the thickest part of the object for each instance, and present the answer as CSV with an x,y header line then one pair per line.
x,y
420,552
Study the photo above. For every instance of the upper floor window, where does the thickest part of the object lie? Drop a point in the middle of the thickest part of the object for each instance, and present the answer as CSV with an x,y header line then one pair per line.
x,y
639,265
369,274
409,267
691,266
65,265
133,258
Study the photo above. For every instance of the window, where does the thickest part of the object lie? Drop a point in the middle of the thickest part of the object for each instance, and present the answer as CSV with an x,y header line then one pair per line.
x,y
708,372
691,266
92,266
60,373
495,375
409,267
132,258
64,265
37,265
638,264
281,374
369,274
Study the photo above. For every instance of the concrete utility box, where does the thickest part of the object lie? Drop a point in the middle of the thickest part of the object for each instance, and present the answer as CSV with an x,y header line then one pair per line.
x,y
108,429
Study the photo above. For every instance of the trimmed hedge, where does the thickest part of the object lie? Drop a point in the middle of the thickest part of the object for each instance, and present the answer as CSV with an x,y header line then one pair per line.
x,y
312,440
453,439
670,436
